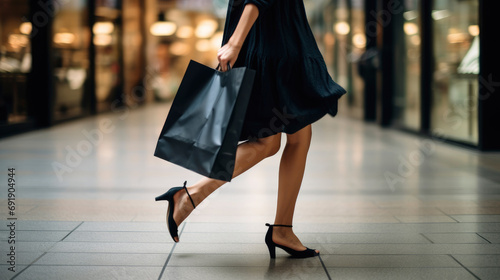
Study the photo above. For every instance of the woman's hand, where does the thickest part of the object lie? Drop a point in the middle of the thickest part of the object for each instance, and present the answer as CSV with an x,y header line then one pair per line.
x,y
228,55
230,51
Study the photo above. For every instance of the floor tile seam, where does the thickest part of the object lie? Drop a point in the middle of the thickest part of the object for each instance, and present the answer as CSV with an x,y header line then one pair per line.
x,y
455,232
255,223
369,222
44,253
241,266
194,224
327,266
221,266
103,265
473,266
427,238
105,253
484,238
201,266
170,254
264,254
414,268
497,254
464,267
324,268
445,223
391,254
414,254
107,242
114,231
430,223
442,211
404,254
41,230
377,267
399,220
333,243
344,254
304,224
247,232
261,243
106,231
421,244
331,255
406,232
242,232
28,266
451,217
458,243
90,241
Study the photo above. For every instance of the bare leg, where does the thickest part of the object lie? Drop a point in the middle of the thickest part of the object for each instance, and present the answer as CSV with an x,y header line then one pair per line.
x,y
292,166
248,154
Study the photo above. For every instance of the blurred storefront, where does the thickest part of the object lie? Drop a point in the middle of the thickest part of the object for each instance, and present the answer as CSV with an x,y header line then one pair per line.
x,y
15,63
420,66
62,60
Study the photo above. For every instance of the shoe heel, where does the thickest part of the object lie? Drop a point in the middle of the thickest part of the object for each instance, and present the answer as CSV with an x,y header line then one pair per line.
x,y
269,242
272,250
164,196
170,194
307,253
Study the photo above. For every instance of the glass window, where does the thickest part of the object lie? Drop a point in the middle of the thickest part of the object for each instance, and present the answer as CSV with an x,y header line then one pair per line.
x,y
349,42
182,32
323,29
455,81
133,58
341,29
15,60
357,40
109,87
408,68
71,61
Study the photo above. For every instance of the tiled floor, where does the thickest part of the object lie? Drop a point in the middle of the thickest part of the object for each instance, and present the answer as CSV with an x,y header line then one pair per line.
x,y
378,204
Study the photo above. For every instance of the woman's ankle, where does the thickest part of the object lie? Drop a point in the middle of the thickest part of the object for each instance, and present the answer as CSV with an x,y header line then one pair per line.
x,y
203,189
200,192
283,221
282,231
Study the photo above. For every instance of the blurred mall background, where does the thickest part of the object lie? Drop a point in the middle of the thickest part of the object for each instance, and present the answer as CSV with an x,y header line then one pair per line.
x,y
426,67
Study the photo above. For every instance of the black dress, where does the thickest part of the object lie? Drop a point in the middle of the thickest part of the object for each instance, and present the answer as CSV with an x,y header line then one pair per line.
x,y
292,86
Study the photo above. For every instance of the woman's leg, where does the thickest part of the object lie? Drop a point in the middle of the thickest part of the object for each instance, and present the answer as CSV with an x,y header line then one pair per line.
x,y
292,166
247,155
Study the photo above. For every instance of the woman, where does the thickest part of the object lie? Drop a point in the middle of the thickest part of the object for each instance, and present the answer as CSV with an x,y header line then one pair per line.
x,y
292,90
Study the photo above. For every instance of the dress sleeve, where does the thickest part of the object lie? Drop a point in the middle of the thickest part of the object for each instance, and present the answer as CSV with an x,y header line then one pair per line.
x,y
262,5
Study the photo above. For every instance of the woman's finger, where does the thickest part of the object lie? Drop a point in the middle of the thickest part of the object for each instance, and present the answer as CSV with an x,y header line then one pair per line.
x,y
223,65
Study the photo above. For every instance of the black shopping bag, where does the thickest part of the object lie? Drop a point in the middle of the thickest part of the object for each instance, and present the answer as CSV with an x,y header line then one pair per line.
x,y
203,127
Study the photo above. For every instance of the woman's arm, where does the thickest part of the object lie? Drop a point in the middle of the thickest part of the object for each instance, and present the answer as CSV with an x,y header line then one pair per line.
x,y
230,51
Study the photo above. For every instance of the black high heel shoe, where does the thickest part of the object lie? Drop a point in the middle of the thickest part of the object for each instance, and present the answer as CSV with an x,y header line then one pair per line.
x,y
169,196
307,253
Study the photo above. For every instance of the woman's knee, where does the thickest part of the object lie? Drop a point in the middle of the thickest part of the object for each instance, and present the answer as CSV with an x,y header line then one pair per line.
x,y
272,144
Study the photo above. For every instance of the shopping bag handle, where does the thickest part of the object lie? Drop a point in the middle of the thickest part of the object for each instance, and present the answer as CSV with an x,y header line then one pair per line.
x,y
228,67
